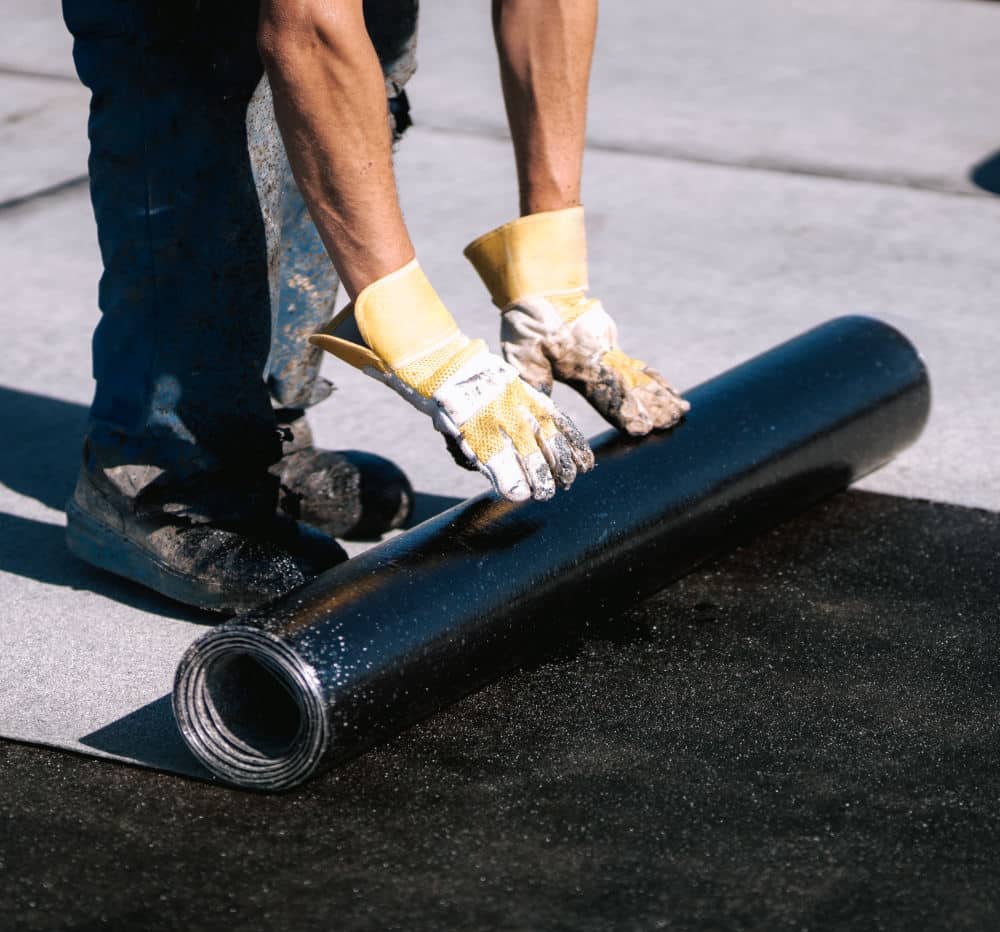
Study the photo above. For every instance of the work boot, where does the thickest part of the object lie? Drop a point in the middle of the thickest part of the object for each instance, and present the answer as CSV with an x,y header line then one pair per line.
x,y
344,493
227,567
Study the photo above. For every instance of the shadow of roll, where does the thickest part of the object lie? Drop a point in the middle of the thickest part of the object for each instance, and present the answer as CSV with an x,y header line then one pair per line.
x,y
423,619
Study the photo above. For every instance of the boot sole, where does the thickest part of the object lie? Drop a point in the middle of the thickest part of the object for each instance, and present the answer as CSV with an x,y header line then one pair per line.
x,y
107,549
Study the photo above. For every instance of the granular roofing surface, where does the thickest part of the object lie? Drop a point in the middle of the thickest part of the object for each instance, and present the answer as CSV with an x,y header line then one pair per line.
x,y
802,735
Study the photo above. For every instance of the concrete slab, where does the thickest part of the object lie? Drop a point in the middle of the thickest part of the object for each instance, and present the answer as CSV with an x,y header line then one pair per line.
x,y
34,39
898,90
43,134
895,90
704,265
43,108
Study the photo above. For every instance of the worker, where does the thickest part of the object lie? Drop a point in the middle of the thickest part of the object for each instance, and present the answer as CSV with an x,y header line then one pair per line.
x,y
199,476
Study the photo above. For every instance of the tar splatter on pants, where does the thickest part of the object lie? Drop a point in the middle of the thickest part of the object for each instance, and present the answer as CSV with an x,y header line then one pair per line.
x,y
213,272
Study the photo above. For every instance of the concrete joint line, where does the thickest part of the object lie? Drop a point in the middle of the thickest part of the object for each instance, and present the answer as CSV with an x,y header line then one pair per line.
x,y
43,194
888,178
13,71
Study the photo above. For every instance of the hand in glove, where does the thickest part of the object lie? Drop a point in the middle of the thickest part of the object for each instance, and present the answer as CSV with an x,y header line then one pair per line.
x,y
500,425
536,271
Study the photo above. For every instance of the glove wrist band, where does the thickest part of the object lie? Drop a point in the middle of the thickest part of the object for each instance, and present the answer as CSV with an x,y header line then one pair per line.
x,y
539,254
406,329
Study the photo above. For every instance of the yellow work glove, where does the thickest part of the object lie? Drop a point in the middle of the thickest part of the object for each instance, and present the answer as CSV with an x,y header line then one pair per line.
x,y
500,425
536,271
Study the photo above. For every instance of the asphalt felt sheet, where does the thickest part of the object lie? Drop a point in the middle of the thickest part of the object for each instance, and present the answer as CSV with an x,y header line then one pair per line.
x,y
87,658
95,682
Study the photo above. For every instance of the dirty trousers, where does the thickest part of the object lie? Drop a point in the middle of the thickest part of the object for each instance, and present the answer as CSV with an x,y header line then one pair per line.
x,y
198,346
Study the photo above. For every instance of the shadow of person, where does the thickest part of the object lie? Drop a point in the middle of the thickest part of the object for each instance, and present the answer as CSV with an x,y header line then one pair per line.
x,y
986,174
40,452
150,737
37,550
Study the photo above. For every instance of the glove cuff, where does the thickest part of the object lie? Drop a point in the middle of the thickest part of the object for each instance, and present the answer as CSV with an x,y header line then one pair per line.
x,y
402,318
404,324
540,254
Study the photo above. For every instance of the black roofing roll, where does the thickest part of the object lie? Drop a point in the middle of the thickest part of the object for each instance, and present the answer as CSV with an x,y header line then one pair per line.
x,y
419,621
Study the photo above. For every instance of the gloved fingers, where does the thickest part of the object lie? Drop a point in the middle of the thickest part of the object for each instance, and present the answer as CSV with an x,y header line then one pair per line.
x,y
558,455
647,407
521,425
508,475
502,437
665,407
536,468
662,402
505,426
460,452
629,394
667,386
632,415
518,477
579,448
553,422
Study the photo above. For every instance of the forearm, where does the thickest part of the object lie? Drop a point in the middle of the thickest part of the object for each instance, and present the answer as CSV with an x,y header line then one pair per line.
x,y
329,101
545,49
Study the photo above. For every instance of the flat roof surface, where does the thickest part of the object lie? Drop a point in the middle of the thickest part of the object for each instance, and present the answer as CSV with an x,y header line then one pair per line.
x,y
802,735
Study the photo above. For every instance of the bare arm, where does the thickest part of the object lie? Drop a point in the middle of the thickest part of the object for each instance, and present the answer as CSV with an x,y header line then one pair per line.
x,y
329,100
535,267
331,109
545,49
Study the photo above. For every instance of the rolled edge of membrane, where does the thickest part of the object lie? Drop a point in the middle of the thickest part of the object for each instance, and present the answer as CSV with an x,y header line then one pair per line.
x,y
221,737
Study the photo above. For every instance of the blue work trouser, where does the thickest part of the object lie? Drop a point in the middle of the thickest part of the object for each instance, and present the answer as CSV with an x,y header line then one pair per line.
x,y
190,357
